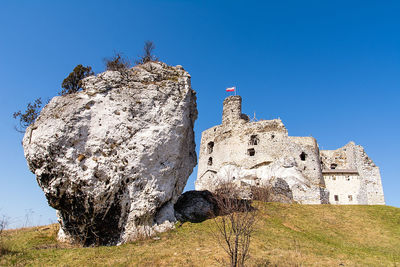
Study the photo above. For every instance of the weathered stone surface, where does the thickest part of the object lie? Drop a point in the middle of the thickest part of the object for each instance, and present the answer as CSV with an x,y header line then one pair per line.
x,y
114,158
196,206
285,181
281,191
261,153
351,176
258,153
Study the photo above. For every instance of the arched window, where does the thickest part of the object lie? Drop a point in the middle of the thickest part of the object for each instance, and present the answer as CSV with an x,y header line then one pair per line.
x,y
303,156
210,161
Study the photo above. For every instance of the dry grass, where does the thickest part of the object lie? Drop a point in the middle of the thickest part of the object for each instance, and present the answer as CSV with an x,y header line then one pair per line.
x,y
285,235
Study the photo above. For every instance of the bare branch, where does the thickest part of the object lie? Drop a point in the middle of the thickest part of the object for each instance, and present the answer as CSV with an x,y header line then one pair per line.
x,y
148,55
117,63
3,225
235,227
29,116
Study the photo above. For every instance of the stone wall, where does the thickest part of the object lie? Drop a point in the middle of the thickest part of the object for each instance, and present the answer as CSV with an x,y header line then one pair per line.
x,y
250,148
232,110
368,180
344,187
261,152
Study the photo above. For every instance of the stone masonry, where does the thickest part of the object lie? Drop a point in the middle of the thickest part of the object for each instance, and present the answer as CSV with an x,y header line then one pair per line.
x,y
261,153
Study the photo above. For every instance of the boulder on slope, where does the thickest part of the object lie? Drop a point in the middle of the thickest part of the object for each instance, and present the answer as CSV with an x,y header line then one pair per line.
x,y
113,158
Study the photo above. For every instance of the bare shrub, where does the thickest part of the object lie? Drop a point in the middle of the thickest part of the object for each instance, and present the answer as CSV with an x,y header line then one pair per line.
x,y
262,193
3,225
148,55
28,116
29,213
84,236
235,227
117,63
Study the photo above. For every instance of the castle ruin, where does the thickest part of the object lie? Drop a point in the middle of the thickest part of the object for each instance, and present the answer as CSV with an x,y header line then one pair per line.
x,y
261,153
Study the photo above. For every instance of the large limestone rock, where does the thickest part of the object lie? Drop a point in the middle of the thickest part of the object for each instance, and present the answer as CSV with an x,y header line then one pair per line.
x,y
114,158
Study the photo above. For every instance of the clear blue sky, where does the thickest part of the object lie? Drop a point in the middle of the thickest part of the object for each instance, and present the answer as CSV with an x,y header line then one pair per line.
x,y
330,69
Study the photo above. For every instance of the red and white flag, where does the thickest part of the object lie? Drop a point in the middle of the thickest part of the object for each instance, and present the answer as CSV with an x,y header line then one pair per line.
x,y
231,89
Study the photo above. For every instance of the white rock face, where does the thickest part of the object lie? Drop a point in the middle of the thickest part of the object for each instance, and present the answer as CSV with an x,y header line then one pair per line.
x,y
113,158
298,186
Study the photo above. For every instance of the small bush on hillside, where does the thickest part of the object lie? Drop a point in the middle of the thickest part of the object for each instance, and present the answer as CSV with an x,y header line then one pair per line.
x,y
236,226
262,193
3,225
72,83
29,116
117,63
148,55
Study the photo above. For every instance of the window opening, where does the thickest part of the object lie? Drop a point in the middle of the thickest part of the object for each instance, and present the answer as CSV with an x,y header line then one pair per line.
x,y
303,156
210,161
210,147
350,198
254,140
251,152
336,198
333,166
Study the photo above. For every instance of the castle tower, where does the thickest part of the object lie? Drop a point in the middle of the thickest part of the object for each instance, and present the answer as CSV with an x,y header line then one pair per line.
x,y
232,109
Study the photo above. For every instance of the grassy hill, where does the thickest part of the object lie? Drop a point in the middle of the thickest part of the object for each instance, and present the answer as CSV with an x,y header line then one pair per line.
x,y
285,235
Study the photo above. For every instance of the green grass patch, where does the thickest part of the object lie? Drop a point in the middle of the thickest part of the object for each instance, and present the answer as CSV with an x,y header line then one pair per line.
x,y
285,235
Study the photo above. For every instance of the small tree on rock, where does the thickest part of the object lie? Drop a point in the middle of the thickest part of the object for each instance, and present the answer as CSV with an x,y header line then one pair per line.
x,y
72,83
148,55
29,116
117,63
